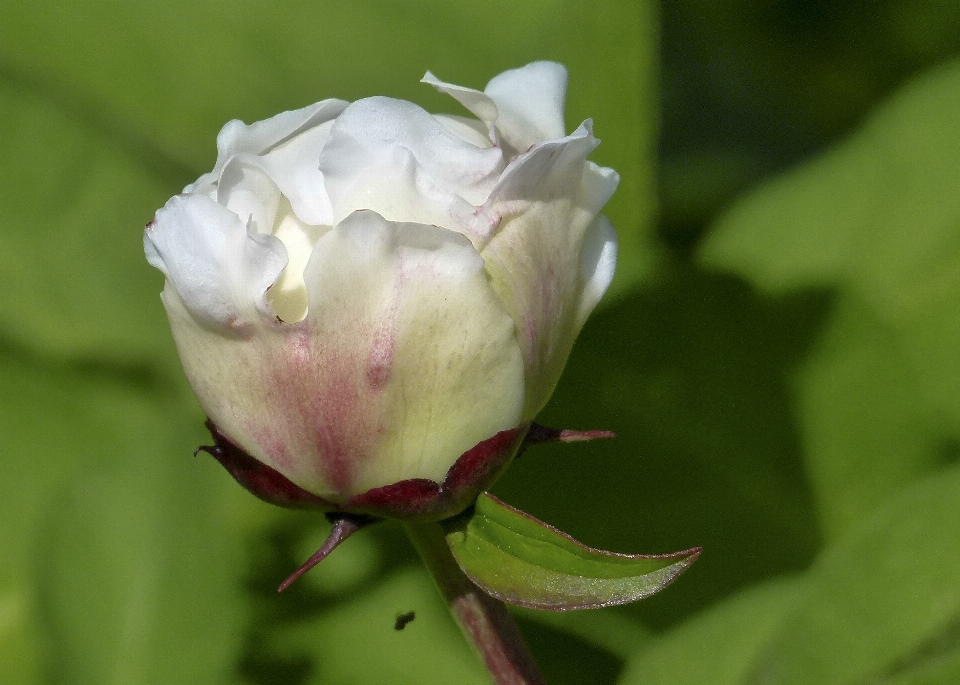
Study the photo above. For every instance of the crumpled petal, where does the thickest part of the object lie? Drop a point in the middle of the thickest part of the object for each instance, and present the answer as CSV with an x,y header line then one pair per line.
x,y
293,167
547,201
247,191
521,107
219,267
530,101
260,137
396,159
466,129
386,379
479,103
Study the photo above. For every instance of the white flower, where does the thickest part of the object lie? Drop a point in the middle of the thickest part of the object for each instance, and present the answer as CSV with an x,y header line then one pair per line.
x,y
361,293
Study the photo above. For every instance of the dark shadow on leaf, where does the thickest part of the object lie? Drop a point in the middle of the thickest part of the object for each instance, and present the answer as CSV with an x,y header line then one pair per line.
x,y
553,650
275,554
141,374
691,374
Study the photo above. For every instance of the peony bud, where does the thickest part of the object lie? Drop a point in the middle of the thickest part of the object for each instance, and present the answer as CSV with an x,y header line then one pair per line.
x,y
372,303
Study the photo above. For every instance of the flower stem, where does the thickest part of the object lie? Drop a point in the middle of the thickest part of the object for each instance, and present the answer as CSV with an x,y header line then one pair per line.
x,y
485,621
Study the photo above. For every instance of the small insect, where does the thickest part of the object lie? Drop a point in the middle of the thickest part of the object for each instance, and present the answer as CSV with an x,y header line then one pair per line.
x,y
403,620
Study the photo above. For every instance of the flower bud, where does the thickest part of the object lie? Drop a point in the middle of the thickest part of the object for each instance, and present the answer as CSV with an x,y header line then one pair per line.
x,y
372,303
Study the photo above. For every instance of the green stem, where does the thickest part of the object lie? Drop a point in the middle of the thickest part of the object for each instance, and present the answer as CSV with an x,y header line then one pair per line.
x,y
485,621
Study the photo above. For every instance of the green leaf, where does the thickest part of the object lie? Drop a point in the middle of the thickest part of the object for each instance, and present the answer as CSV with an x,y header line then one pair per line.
x,y
866,422
523,561
873,221
158,593
118,551
884,199
940,670
878,218
128,600
718,646
73,279
876,602
355,640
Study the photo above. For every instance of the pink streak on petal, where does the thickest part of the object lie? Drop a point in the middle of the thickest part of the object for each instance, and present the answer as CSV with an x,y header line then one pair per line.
x,y
274,447
341,414
331,387
544,309
381,354
321,421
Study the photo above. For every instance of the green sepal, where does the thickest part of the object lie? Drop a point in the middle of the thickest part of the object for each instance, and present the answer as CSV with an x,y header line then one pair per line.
x,y
521,560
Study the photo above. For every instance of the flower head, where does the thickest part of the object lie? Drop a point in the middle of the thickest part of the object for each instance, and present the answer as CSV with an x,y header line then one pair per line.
x,y
372,303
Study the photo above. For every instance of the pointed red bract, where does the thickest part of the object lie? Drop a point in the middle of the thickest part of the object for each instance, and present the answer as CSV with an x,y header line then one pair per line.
x,y
343,527
540,434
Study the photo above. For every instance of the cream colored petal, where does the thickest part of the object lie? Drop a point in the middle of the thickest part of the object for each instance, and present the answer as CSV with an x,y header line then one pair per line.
x,y
417,361
288,296
236,378
550,260
405,361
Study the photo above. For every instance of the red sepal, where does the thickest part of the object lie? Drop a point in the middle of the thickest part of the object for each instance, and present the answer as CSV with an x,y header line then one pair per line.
x,y
419,499
263,481
415,499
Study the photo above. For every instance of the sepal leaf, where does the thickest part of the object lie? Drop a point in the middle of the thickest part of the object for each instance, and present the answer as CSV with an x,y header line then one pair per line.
x,y
523,561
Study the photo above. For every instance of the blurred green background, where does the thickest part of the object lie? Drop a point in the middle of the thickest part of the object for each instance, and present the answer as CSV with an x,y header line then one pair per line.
x,y
779,355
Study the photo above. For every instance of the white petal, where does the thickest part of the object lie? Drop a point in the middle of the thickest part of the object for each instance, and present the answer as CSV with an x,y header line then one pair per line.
x,y
478,102
219,268
540,262
294,167
247,191
261,137
598,263
599,184
551,168
364,143
288,148
468,130
397,188
530,101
